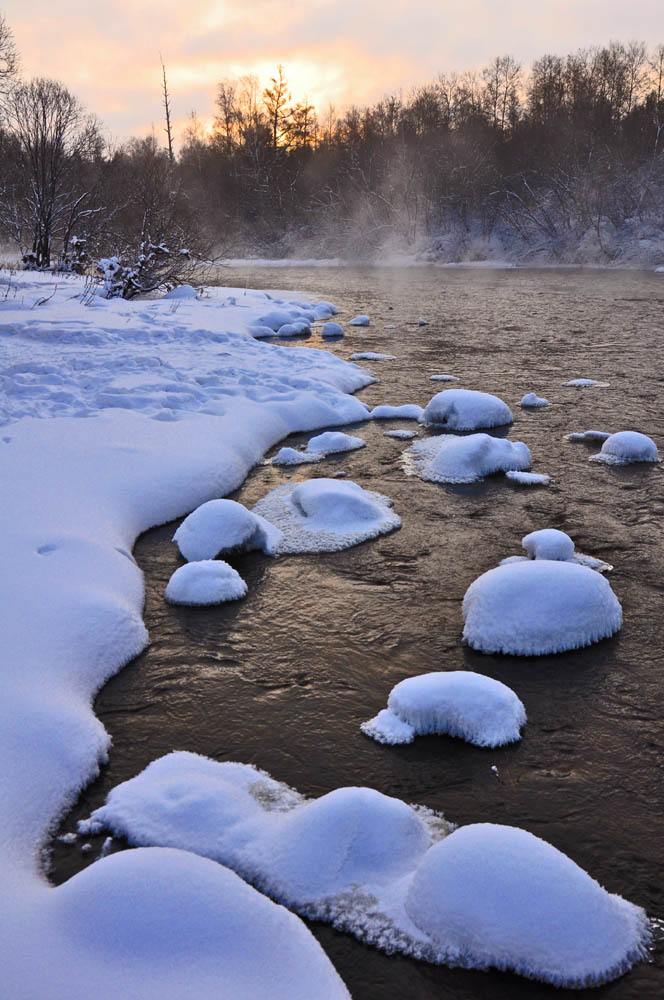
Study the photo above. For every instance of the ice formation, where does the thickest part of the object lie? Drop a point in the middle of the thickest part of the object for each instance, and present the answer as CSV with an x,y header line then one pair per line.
x,y
533,401
361,320
325,515
401,435
497,896
588,436
391,874
371,356
328,443
443,378
208,581
407,411
466,410
224,526
448,458
536,607
528,478
458,702
332,330
626,447
548,543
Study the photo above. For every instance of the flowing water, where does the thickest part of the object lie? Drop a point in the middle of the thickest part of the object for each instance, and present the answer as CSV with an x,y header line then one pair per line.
x,y
284,678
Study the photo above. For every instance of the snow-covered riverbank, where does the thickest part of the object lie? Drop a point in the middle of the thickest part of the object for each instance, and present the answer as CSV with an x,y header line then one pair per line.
x,y
115,417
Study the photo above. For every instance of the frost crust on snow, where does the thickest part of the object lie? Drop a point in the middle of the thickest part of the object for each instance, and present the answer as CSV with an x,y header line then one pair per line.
x,y
327,443
326,515
626,447
208,581
448,458
536,607
466,410
224,526
457,703
398,877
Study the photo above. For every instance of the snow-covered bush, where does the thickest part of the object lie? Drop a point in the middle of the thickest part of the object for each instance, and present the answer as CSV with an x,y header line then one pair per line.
x,y
224,526
208,581
448,458
626,447
466,410
535,607
460,703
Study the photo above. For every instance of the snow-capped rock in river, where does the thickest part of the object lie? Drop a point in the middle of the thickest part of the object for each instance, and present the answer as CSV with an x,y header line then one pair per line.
x,y
443,378
389,873
361,320
496,896
297,328
626,447
466,410
208,581
327,443
535,607
528,478
448,458
332,330
371,356
460,703
548,543
224,526
588,436
325,515
585,383
407,411
532,401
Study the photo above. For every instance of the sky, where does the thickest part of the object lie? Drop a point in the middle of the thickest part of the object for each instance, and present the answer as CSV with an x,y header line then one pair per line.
x,y
340,51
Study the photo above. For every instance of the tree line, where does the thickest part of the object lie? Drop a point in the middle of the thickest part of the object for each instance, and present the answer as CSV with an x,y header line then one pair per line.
x,y
565,154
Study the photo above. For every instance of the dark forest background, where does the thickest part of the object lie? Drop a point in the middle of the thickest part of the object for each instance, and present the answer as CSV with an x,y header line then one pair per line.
x,y
562,160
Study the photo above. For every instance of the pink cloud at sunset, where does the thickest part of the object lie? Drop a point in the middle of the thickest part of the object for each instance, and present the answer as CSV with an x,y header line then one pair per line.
x,y
344,52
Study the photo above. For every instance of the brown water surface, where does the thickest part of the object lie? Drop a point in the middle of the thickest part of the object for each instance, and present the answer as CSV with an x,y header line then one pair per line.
x,y
284,678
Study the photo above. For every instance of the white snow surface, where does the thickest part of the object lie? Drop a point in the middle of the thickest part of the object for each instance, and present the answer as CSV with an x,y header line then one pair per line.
x,y
391,874
460,703
533,401
327,443
117,416
449,458
528,478
626,447
224,526
536,607
466,410
209,581
407,411
371,356
326,515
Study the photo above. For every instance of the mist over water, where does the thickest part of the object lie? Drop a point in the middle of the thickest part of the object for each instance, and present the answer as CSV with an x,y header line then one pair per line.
x,y
284,678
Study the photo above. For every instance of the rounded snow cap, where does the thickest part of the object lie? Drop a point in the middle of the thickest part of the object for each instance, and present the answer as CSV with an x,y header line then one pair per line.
x,y
220,526
209,581
466,410
532,608
625,447
498,896
548,543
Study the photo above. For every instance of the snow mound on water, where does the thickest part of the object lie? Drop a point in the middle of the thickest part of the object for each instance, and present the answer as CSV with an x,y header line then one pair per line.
x,y
208,581
584,383
408,411
223,526
460,703
626,447
533,401
548,543
374,866
401,435
203,931
326,515
466,410
361,320
528,478
332,330
447,458
298,328
496,896
328,443
443,378
372,356
536,607
588,436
